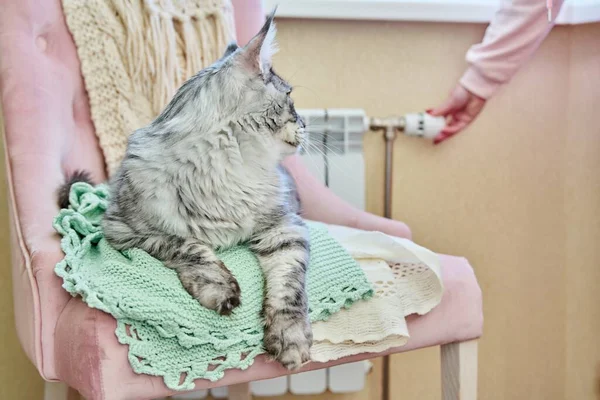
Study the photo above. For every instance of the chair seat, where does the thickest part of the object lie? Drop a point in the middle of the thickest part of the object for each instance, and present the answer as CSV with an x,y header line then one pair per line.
x,y
90,359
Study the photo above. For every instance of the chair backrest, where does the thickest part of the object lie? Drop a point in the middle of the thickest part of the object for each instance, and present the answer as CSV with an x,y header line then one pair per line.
x,y
48,133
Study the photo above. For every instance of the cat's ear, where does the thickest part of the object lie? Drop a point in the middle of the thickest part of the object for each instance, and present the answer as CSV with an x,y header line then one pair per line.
x,y
258,53
231,48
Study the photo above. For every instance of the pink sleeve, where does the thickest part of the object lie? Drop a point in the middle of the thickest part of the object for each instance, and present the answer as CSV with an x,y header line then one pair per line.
x,y
249,18
515,33
319,203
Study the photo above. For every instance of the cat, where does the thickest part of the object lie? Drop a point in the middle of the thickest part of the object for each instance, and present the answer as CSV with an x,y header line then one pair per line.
x,y
206,174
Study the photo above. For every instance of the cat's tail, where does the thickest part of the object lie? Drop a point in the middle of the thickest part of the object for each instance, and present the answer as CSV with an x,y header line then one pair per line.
x,y
65,188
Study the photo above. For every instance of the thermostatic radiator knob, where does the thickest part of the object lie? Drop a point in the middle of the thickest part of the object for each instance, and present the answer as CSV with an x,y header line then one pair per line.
x,y
423,125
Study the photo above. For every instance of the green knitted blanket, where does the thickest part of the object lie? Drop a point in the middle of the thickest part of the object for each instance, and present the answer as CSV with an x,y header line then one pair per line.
x,y
170,334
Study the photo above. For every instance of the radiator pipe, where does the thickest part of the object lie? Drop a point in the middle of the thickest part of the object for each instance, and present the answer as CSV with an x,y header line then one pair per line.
x,y
390,136
389,126
417,124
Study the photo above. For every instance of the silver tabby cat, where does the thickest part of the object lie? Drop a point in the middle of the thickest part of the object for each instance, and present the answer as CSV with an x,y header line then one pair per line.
x,y
206,174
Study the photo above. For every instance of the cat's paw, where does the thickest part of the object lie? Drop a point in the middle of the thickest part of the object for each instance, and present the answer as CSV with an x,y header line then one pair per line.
x,y
214,287
289,342
225,298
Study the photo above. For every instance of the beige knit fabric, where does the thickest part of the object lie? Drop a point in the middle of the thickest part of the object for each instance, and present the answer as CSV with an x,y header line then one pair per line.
x,y
406,279
135,54
368,326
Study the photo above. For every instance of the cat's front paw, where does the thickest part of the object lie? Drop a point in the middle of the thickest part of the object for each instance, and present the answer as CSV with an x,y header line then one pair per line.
x,y
288,341
226,298
214,287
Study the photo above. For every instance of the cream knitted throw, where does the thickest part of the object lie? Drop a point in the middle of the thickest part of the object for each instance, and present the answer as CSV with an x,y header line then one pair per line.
x,y
136,53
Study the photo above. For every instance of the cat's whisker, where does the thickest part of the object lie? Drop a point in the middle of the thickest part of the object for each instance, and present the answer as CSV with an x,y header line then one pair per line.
x,y
322,125
318,129
291,78
306,88
330,161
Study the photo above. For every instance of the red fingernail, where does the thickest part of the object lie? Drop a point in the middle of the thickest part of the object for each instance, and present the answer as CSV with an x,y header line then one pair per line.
x,y
429,110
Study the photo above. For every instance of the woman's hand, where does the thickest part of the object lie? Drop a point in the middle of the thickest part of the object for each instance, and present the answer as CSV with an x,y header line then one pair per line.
x,y
460,109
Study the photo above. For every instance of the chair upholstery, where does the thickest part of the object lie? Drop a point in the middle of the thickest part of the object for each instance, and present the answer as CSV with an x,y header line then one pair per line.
x,y
48,133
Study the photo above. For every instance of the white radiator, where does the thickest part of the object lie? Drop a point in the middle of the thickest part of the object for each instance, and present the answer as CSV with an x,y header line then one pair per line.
x,y
333,152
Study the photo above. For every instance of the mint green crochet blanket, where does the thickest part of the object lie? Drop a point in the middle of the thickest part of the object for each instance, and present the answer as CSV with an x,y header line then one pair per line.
x,y
170,334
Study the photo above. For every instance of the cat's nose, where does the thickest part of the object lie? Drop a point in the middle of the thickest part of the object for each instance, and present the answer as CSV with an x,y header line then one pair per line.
x,y
300,121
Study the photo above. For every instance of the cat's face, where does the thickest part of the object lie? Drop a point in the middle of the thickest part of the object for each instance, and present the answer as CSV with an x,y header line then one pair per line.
x,y
262,98
240,95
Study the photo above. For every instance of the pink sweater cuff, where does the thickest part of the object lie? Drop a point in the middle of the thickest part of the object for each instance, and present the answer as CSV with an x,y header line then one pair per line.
x,y
479,85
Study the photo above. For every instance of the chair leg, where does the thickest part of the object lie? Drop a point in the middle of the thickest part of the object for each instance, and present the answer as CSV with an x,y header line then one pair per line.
x,y
459,371
241,391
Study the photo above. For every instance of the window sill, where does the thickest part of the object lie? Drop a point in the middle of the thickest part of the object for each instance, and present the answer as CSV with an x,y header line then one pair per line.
x,y
463,11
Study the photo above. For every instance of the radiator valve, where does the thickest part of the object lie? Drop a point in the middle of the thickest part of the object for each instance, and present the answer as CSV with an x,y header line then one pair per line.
x,y
416,124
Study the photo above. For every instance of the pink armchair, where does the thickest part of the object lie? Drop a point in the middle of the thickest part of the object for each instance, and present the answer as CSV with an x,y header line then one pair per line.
x,y
48,132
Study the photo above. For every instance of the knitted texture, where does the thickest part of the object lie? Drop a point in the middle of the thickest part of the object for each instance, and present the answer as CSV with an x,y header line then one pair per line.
x,y
168,332
134,55
406,279
368,327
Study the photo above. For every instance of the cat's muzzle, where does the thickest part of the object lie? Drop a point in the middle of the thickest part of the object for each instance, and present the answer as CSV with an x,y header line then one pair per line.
x,y
294,132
